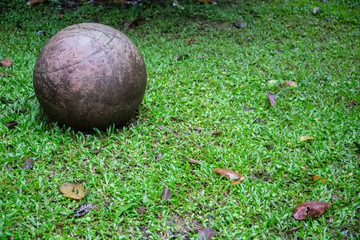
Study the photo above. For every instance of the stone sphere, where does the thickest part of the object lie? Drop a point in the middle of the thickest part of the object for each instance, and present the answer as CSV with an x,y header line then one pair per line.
x,y
89,76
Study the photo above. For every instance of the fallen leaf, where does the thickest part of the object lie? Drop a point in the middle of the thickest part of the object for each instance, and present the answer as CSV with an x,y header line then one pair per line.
x,y
310,208
288,26
317,178
135,22
272,82
239,24
316,9
96,151
278,50
158,157
306,138
229,174
73,190
166,194
194,161
294,229
201,57
209,1
206,233
12,124
6,62
41,32
177,118
290,83
28,164
246,109
217,134
34,2
83,209
271,99
198,129
180,57
350,174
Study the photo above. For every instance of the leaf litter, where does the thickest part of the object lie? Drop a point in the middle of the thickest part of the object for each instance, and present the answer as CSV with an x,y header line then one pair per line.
x,y
310,208
229,174
206,234
28,164
73,190
271,98
83,209
166,194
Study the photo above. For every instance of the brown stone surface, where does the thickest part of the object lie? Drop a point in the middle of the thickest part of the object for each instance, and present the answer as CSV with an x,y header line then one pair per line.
x,y
90,75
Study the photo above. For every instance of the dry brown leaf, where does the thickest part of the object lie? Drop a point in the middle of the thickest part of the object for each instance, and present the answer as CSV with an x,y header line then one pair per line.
x,y
317,178
217,134
166,194
229,174
290,83
34,2
6,62
271,98
206,234
316,9
180,57
28,164
310,208
209,1
306,138
73,190
5,74
194,161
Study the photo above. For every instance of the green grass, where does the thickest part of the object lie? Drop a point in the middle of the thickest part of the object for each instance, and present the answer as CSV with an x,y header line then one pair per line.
x,y
320,52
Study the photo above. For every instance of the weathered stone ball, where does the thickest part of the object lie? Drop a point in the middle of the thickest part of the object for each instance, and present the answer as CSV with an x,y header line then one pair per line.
x,y
88,76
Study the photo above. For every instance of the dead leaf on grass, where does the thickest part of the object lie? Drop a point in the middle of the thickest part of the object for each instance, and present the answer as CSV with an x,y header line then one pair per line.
x,y
209,1
12,124
317,178
28,164
306,139
271,98
194,161
239,24
217,134
135,22
166,194
316,9
177,119
229,174
272,82
310,208
34,2
6,62
290,83
73,190
206,233
158,157
83,209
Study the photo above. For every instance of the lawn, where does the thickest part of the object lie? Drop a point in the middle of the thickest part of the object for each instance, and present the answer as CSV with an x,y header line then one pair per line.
x,y
209,104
